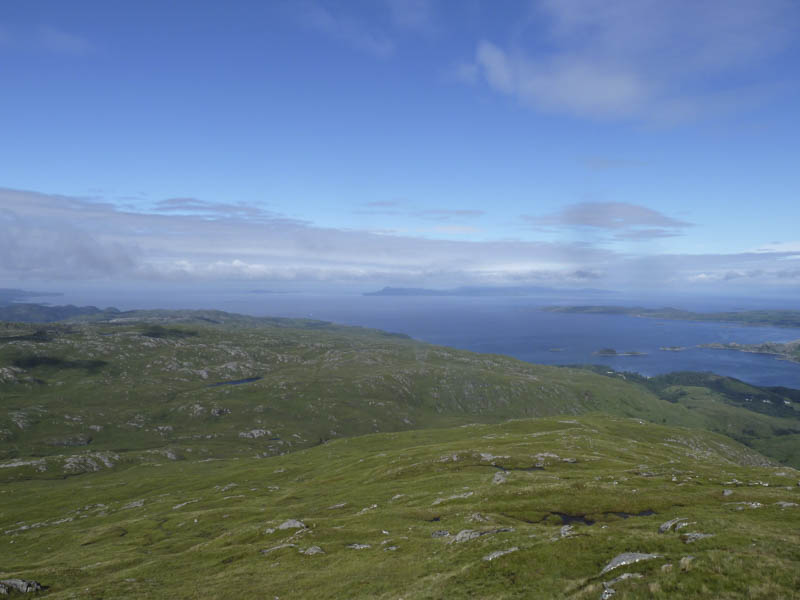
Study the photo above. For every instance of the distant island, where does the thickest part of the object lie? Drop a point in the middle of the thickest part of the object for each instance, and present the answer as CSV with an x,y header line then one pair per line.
x,y
767,318
672,348
785,351
484,291
612,352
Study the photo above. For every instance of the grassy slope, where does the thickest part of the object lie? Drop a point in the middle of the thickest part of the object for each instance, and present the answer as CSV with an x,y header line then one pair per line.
x,y
125,388
117,392
196,529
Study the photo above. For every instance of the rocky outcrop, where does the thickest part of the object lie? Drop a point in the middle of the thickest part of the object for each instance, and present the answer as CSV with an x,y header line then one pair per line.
x,y
499,553
671,524
627,558
466,535
19,585
292,524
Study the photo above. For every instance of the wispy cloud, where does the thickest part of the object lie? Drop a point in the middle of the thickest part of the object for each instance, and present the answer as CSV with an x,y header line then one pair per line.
x,y
641,59
444,214
354,31
623,220
213,210
416,15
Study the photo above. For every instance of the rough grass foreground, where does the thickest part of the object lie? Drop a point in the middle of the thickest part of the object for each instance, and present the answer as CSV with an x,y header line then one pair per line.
x,y
530,508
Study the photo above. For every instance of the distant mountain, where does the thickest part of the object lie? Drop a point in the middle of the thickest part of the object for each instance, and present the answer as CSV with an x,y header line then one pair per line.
x,y
485,291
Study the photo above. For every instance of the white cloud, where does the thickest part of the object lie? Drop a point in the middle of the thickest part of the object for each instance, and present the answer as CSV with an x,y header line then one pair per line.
x,y
416,15
642,59
49,237
351,30
623,220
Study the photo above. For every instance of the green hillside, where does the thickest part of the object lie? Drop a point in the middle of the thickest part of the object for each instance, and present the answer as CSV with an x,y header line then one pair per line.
x,y
529,508
163,454
82,396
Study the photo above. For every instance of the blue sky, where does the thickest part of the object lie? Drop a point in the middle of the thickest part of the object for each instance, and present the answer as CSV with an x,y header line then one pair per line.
x,y
619,143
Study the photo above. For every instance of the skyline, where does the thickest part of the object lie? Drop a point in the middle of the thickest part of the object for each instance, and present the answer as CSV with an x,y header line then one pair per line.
x,y
620,145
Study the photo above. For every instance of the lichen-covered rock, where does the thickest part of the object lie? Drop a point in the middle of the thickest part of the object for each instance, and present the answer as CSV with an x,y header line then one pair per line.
x,y
466,535
22,585
499,553
671,524
313,550
627,558
292,524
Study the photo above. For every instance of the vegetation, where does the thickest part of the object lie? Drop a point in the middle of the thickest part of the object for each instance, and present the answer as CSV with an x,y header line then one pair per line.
x,y
550,501
157,454
786,351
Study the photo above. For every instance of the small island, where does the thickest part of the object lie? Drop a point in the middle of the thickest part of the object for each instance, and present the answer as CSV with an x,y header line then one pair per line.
x,y
613,352
672,348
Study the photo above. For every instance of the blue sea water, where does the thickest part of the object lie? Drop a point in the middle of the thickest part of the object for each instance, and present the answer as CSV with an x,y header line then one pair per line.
x,y
516,326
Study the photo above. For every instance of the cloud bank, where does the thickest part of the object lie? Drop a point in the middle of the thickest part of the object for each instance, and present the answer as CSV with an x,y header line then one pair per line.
x,y
50,237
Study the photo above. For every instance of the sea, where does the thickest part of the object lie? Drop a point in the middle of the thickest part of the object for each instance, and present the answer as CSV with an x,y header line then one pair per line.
x,y
514,326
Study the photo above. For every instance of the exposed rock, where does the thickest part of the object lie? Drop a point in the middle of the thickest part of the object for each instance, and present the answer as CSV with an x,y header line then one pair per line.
x,y
292,524
566,531
219,412
89,462
627,558
22,585
686,563
784,504
440,533
134,504
499,553
279,547
367,509
470,534
253,434
390,549
727,492
499,477
608,591
743,505
487,457
477,518
666,568
688,538
453,497
359,546
76,440
335,506
669,525
313,550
